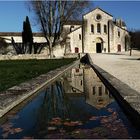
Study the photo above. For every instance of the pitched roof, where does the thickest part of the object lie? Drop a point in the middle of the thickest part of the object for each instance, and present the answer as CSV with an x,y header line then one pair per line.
x,y
99,9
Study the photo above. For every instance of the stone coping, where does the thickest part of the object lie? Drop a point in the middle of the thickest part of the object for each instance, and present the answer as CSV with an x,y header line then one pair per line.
x,y
15,95
127,98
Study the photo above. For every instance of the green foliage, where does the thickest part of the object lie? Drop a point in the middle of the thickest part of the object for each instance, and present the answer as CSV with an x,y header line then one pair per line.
x,y
14,72
27,36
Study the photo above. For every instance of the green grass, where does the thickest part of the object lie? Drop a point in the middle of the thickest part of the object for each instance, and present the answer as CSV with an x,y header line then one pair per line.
x,y
14,72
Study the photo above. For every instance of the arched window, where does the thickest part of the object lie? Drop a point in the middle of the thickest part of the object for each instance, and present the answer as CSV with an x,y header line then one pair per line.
x,y
92,28
105,29
98,28
71,28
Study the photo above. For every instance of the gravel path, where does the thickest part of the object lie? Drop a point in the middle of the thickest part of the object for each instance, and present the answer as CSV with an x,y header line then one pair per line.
x,y
125,68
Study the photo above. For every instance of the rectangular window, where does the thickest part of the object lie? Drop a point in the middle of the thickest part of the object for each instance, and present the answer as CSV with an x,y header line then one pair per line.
x,y
81,82
92,28
118,33
94,90
105,29
98,28
100,91
76,50
79,36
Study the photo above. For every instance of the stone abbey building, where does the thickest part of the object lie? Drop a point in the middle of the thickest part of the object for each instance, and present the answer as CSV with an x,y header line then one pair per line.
x,y
98,32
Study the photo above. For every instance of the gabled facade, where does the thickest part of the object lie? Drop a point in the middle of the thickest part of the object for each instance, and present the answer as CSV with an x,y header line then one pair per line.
x,y
98,33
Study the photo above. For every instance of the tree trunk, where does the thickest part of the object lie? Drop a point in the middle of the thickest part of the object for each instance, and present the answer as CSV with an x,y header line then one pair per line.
x,y
50,49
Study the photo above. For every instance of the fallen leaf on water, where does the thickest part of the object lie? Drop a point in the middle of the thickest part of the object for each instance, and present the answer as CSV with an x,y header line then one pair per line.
x,y
17,130
104,120
72,123
110,110
51,128
57,118
93,118
55,123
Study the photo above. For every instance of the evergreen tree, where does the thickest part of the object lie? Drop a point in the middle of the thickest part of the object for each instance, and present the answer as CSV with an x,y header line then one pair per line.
x,y
27,36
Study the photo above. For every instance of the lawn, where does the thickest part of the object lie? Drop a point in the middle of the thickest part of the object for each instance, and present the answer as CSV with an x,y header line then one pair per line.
x,y
14,72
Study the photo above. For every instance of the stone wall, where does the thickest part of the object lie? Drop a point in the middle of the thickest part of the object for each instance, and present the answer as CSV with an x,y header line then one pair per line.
x,y
91,38
23,57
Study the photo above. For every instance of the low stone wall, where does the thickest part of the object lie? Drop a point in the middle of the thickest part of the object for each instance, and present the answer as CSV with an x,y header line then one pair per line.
x,y
34,56
23,56
17,94
126,97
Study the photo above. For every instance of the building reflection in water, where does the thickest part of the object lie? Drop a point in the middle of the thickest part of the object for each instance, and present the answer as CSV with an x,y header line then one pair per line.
x,y
85,81
73,81
96,93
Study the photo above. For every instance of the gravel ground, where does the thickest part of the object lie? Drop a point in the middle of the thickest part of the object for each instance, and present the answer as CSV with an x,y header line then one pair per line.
x,y
124,67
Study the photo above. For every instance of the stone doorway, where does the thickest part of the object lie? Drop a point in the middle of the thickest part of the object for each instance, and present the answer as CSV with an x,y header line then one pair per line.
x,y
98,48
99,45
119,48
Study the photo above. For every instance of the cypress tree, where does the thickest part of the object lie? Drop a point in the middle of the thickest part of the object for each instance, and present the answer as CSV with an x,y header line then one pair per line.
x,y
27,36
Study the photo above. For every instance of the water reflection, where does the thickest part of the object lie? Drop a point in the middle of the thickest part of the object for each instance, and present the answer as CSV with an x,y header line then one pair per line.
x,y
97,94
73,81
77,105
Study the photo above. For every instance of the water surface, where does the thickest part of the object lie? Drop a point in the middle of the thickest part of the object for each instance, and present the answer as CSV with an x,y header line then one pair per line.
x,y
76,105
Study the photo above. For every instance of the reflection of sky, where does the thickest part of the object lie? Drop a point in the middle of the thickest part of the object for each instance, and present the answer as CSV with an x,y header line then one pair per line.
x,y
34,117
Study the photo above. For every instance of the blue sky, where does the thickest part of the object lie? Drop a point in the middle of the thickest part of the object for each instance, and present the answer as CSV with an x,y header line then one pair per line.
x,y
12,13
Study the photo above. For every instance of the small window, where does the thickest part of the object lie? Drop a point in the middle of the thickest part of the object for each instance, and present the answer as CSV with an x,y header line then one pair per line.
x,y
76,50
94,90
98,17
98,28
81,82
77,70
105,29
100,91
92,28
79,36
71,28
118,33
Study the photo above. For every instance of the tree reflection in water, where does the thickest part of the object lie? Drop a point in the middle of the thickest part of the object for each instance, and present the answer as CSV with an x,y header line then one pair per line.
x,y
77,105
63,116
54,105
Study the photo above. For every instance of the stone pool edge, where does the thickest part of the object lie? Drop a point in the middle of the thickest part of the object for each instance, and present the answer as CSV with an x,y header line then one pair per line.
x,y
126,97
55,74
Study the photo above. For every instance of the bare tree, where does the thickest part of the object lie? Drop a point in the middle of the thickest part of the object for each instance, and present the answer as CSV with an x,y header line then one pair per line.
x,y
135,40
52,15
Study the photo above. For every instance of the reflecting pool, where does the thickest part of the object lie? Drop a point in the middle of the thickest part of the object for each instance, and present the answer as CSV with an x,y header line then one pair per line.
x,y
76,105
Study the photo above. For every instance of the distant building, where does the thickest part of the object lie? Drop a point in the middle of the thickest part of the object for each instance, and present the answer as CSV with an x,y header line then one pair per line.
x,y
98,32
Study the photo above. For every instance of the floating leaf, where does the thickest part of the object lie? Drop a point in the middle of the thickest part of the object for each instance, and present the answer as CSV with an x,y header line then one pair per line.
x,y
72,123
93,118
51,128
110,110
17,130
56,119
